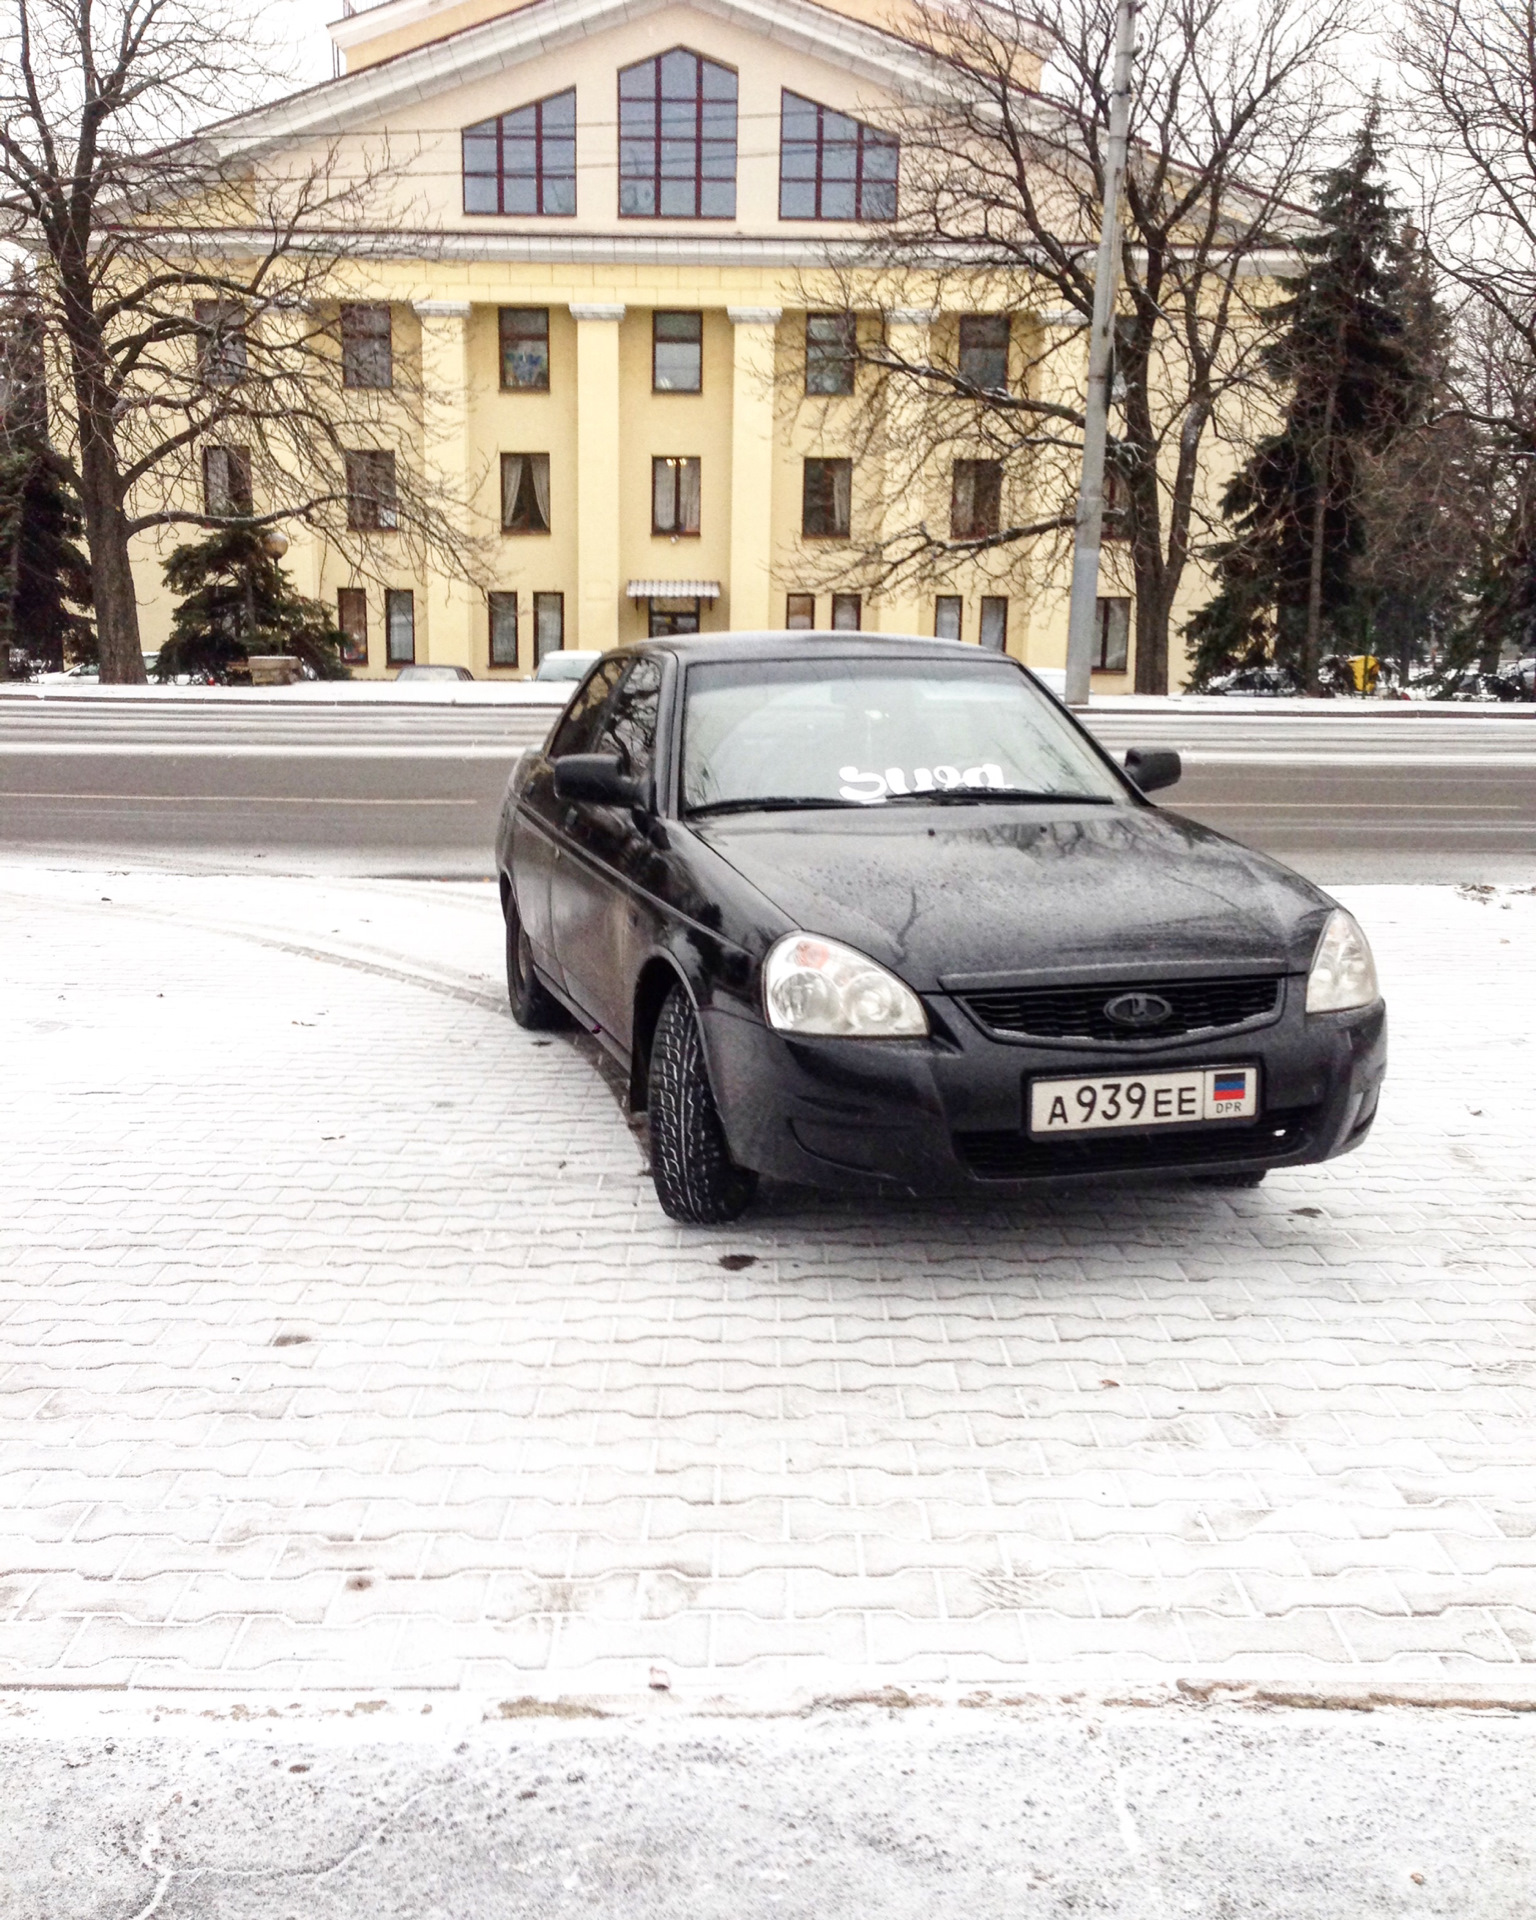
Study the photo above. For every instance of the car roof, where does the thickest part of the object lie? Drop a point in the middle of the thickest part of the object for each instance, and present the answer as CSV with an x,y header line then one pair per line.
x,y
782,644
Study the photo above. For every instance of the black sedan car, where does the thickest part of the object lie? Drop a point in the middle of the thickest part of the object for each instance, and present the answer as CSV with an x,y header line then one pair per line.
x,y
856,910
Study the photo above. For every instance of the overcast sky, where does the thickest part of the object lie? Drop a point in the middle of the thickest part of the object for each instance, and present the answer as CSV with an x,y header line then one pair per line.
x,y
298,27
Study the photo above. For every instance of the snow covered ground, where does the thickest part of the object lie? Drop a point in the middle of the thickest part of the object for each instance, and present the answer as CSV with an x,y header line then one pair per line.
x,y
343,1346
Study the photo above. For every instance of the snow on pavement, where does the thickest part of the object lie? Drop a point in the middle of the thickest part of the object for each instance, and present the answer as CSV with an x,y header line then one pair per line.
x,y
343,1346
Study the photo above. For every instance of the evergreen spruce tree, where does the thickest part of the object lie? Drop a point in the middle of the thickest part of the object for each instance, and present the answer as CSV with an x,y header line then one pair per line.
x,y
238,600
1425,496
45,579
1341,354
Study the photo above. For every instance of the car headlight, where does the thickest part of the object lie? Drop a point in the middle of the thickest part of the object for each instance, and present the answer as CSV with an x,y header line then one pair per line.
x,y
1343,972
812,985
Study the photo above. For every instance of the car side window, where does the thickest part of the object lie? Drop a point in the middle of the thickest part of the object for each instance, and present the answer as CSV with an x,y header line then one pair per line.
x,y
629,725
576,731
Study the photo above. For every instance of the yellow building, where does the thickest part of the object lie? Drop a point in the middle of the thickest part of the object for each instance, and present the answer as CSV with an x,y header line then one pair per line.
x,y
613,214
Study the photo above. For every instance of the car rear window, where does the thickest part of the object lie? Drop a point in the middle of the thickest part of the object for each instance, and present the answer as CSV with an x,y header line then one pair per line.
x,y
859,731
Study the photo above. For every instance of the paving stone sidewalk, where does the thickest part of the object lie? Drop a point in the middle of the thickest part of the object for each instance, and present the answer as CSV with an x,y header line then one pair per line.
x,y
342,1345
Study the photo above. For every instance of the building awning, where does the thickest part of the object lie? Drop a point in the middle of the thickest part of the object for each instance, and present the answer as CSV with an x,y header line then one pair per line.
x,y
673,590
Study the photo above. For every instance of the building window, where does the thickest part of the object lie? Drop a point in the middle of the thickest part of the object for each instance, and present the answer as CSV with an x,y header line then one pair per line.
x,y
677,352
831,167
399,627
226,482
503,618
525,162
800,612
371,500
984,351
675,613
525,493
677,139
548,625
352,619
222,326
994,622
1112,635
367,347
830,345
674,495
827,499
847,612
524,349
946,616
976,499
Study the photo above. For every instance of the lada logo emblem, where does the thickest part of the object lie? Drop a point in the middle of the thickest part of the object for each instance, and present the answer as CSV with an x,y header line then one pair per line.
x,y
1137,1009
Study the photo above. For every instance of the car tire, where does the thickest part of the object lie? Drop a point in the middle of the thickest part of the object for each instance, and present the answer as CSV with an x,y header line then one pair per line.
x,y
1250,1179
696,1179
533,1005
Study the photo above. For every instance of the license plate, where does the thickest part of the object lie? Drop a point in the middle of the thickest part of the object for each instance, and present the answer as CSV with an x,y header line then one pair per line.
x,y
1143,1099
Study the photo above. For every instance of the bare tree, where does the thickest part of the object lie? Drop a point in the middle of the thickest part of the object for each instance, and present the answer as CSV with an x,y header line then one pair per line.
x,y
1002,181
191,292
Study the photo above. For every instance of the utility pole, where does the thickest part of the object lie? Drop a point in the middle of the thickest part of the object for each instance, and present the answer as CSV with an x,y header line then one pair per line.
x,y
1082,611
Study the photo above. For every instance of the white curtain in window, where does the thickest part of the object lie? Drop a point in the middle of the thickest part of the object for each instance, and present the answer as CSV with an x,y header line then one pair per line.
x,y
688,497
842,494
540,464
511,486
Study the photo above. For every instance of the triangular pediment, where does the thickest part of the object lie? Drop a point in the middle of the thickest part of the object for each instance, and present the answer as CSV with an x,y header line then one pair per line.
x,y
467,58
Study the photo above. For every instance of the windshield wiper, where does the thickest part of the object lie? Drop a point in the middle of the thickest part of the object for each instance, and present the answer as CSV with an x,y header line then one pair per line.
x,y
991,796
768,803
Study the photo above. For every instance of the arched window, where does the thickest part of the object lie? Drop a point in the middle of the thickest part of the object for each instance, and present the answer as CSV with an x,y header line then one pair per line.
x,y
677,139
525,162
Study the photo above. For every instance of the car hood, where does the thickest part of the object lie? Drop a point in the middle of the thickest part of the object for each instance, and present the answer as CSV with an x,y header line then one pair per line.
x,y
988,896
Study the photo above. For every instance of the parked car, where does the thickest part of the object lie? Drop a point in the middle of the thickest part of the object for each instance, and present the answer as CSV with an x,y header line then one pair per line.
x,y
1473,685
874,912
1264,682
422,671
568,664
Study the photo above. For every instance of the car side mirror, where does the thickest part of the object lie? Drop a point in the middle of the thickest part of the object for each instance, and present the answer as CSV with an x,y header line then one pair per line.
x,y
1154,767
600,778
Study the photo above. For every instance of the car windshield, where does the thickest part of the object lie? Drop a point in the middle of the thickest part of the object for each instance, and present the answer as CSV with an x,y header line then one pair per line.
x,y
861,732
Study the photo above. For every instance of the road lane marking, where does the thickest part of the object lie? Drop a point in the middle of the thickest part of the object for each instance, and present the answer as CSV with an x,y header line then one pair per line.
x,y
1356,806
245,799
238,750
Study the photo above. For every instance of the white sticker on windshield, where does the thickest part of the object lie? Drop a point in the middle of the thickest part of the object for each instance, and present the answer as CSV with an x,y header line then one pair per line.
x,y
870,789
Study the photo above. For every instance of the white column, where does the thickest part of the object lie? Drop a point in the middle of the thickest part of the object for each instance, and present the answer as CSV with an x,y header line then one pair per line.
x,y
598,587
750,585
447,635
907,474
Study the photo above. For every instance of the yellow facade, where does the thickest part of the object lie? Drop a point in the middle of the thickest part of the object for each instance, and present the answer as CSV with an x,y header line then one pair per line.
x,y
418,74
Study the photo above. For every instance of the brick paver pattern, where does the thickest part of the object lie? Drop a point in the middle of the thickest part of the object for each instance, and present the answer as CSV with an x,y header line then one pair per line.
x,y
342,1344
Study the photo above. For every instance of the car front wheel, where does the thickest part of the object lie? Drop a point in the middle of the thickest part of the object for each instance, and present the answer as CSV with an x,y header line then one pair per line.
x,y
696,1179
533,1005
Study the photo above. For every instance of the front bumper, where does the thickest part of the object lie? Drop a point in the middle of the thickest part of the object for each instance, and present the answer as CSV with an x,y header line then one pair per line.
x,y
947,1115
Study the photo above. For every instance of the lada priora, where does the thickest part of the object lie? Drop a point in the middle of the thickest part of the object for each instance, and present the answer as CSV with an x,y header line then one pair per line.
x,y
864,911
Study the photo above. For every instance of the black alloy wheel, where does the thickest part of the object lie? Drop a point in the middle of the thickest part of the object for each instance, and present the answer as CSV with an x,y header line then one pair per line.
x,y
533,1005
696,1179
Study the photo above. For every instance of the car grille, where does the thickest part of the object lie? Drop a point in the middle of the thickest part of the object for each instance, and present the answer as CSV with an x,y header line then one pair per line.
x,y
1077,1012
1018,1156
